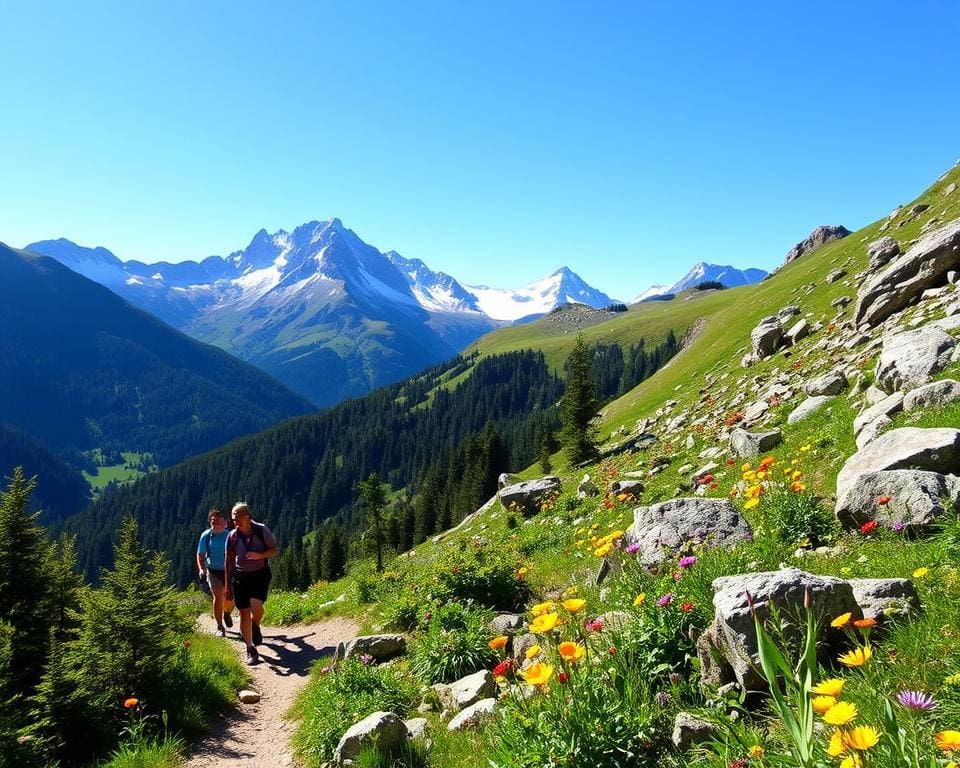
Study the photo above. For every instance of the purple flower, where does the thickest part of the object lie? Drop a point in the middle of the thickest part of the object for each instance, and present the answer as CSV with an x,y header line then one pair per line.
x,y
366,659
665,600
632,549
916,700
898,526
663,699
675,678
686,562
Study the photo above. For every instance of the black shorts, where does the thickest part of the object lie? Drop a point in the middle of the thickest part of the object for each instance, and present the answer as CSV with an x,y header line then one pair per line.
x,y
250,585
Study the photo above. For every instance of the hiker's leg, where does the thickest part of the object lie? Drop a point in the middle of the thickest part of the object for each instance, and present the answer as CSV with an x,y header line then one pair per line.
x,y
217,604
246,627
256,609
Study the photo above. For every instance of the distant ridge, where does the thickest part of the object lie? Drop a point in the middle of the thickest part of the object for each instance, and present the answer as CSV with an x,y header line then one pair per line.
x,y
730,277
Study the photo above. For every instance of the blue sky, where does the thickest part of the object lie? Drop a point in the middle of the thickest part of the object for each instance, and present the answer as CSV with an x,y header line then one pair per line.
x,y
496,141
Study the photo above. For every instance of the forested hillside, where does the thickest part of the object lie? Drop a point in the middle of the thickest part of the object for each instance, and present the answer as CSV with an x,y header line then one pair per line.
x,y
81,370
417,436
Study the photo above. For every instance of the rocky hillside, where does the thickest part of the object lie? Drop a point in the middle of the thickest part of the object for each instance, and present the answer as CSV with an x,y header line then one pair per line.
x,y
803,450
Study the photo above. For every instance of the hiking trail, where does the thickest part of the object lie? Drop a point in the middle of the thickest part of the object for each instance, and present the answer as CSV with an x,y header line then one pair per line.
x,y
258,735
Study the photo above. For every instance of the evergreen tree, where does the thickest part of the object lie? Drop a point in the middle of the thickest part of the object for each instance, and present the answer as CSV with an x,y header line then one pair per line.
x,y
316,557
578,408
334,553
374,502
546,466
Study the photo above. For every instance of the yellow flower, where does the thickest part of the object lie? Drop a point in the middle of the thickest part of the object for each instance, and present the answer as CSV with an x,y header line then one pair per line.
x,y
571,591
751,503
840,713
498,642
570,651
831,687
755,752
521,572
574,604
537,674
541,608
837,745
640,599
921,572
862,738
948,741
805,448
544,623
822,703
851,761
533,651
603,550
857,657
841,621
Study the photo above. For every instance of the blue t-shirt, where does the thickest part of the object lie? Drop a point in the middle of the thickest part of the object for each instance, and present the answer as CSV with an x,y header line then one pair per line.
x,y
216,555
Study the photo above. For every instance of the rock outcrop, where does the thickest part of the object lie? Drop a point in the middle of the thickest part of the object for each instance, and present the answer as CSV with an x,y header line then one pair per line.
x,y
820,236
386,730
529,495
912,499
912,358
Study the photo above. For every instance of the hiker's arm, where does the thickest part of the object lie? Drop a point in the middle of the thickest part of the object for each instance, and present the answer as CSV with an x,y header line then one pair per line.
x,y
201,564
227,570
265,555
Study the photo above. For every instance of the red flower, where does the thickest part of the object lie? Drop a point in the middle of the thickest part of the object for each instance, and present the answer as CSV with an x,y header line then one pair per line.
x,y
706,479
612,651
713,486
504,668
868,527
883,500
731,462
686,607
563,677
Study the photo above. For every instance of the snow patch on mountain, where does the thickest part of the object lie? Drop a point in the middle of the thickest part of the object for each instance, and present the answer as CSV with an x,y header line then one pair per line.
x,y
562,287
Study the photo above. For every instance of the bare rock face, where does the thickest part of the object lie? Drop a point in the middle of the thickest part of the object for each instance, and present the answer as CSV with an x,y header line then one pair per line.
x,y
530,494
914,499
767,337
936,394
689,730
748,445
380,647
924,266
912,358
881,599
669,525
881,251
832,383
384,729
473,715
820,236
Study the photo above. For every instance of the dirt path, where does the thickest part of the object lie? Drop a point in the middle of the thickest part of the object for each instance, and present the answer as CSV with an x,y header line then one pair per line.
x,y
257,735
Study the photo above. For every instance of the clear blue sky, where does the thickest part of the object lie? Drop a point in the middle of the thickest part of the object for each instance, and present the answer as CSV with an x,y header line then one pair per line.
x,y
496,141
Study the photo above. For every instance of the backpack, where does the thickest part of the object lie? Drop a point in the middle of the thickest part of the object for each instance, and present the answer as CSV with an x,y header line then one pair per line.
x,y
232,537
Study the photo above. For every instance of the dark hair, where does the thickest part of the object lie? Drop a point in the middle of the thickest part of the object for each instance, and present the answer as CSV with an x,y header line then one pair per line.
x,y
215,513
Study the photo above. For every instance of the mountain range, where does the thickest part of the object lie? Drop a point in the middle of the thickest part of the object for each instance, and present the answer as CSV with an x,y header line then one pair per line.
x,y
730,277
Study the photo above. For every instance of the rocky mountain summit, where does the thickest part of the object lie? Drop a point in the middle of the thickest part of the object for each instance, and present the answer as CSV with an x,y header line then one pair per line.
x,y
820,236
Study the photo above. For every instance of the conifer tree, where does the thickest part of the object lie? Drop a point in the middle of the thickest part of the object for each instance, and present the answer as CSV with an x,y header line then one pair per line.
x,y
374,501
578,408
334,553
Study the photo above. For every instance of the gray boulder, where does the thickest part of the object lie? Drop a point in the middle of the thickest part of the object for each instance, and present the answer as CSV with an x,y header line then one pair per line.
x,y
505,479
767,337
881,251
924,266
935,450
385,730
808,406
417,728
587,488
660,529
799,330
911,359
890,405
820,236
380,647
466,691
522,644
787,312
529,495
836,275
473,715
917,499
936,394
832,383
506,624
748,445
729,648
885,598
633,487
689,730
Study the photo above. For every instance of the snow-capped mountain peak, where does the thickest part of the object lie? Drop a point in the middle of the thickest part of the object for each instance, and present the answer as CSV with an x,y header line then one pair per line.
x,y
561,287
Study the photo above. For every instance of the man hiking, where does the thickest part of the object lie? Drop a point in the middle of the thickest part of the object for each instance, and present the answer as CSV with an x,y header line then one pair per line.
x,y
211,552
249,546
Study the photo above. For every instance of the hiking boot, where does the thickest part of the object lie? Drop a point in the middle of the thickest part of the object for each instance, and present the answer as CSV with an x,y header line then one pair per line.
x,y
257,635
227,620
252,656
221,632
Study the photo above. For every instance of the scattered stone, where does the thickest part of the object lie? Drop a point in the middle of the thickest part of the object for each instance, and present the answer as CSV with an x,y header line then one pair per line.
x,y
473,715
632,487
882,599
950,188
918,208
766,337
840,302
915,499
666,527
807,407
466,691
417,728
698,477
836,275
747,445
800,330
507,624
911,358
380,647
689,730
887,407
384,729
522,644
755,411
587,488
249,697
882,251
832,383
787,312
936,394
528,496
871,431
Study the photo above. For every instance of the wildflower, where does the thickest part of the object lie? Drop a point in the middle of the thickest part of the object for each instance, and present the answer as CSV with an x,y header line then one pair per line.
x,y
916,700
541,608
504,668
857,657
805,448
686,607
533,651
840,713
921,572
366,659
674,678
544,623
766,463
640,599
498,642
632,549
603,550
898,526
796,486
831,687
851,761
131,702
862,738
563,677
521,572
866,623
612,650
574,604
868,527
594,625
948,741
665,600
883,500
687,562
822,703
751,503
755,752
663,699
837,745
841,621
952,680
537,674
570,651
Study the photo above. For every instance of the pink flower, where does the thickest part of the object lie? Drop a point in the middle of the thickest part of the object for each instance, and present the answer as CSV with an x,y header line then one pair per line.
x,y
686,562
594,625
665,600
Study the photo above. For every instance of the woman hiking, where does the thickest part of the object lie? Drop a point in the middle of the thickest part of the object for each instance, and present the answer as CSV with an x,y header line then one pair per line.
x,y
249,546
211,553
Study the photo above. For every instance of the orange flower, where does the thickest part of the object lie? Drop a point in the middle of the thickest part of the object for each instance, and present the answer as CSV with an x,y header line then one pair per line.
x,y
948,741
131,702
865,623
537,674
822,703
498,642
570,651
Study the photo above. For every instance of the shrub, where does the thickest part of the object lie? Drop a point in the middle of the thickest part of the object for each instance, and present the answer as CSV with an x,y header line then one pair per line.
x,y
483,573
455,644
337,697
404,610
800,516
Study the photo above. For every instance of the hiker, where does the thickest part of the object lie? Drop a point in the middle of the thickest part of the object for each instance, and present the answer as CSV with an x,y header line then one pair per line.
x,y
211,551
249,546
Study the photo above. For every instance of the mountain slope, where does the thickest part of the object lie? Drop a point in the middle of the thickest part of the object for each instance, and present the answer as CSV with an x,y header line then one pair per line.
x,y
537,299
701,272
82,369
